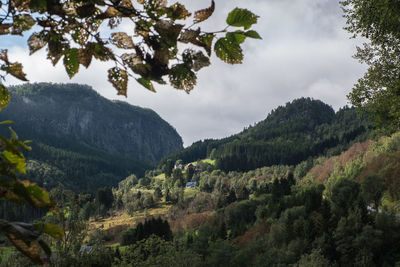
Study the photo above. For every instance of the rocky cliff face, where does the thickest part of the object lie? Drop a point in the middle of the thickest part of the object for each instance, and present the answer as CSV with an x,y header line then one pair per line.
x,y
65,115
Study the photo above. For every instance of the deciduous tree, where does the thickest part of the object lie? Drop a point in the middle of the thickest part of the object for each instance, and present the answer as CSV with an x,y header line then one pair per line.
x,y
378,91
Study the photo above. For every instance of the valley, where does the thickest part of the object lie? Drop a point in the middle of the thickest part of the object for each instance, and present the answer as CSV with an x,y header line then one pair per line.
x,y
300,205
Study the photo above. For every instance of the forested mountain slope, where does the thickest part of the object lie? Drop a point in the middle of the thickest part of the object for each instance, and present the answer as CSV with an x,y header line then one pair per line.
x,y
290,134
84,140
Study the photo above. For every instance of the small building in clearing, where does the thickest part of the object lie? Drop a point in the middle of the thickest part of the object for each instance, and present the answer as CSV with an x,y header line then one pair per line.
x,y
191,185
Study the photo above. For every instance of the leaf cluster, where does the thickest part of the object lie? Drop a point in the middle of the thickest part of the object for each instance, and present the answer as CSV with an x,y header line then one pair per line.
x,y
74,31
24,236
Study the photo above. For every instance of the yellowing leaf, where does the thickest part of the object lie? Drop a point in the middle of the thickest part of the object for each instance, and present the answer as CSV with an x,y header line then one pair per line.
x,y
85,56
189,36
27,192
23,22
4,97
204,14
3,55
17,161
182,77
126,4
71,62
122,40
119,79
169,31
15,69
24,237
228,50
21,5
112,12
36,42
200,61
5,28
241,18
51,229
131,59
177,11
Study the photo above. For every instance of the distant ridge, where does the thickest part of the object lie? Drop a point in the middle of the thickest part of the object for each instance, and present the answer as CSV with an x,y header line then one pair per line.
x,y
290,134
72,125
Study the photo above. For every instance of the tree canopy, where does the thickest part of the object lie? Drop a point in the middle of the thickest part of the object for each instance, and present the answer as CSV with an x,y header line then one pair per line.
x,y
378,91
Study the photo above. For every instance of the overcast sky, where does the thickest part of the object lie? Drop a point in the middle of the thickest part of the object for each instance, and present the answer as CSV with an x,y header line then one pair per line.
x,y
304,52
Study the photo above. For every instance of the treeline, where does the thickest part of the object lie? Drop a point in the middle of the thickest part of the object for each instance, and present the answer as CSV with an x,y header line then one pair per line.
x,y
158,227
303,128
84,172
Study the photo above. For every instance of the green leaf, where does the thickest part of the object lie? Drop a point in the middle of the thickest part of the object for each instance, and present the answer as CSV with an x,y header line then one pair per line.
x,y
17,161
228,50
206,41
182,77
119,79
27,192
52,230
100,51
241,18
4,97
71,62
239,37
253,34
146,83
36,5
6,122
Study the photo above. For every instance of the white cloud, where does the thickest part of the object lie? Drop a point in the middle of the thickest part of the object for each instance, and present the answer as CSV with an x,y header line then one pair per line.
x,y
304,52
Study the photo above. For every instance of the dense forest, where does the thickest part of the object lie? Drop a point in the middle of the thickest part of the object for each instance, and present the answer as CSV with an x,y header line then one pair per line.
x,y
341,210
73,143
290,134
307,186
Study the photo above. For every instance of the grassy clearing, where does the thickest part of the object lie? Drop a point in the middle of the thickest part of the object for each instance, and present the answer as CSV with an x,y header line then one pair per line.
x,y
123,218
209,161
160,176
191,192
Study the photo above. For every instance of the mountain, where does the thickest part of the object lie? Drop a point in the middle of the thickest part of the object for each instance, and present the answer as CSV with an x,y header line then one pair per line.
x,y
290,134
83,139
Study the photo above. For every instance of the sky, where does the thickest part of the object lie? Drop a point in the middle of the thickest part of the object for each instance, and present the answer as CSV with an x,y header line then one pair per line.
x,y
304,53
